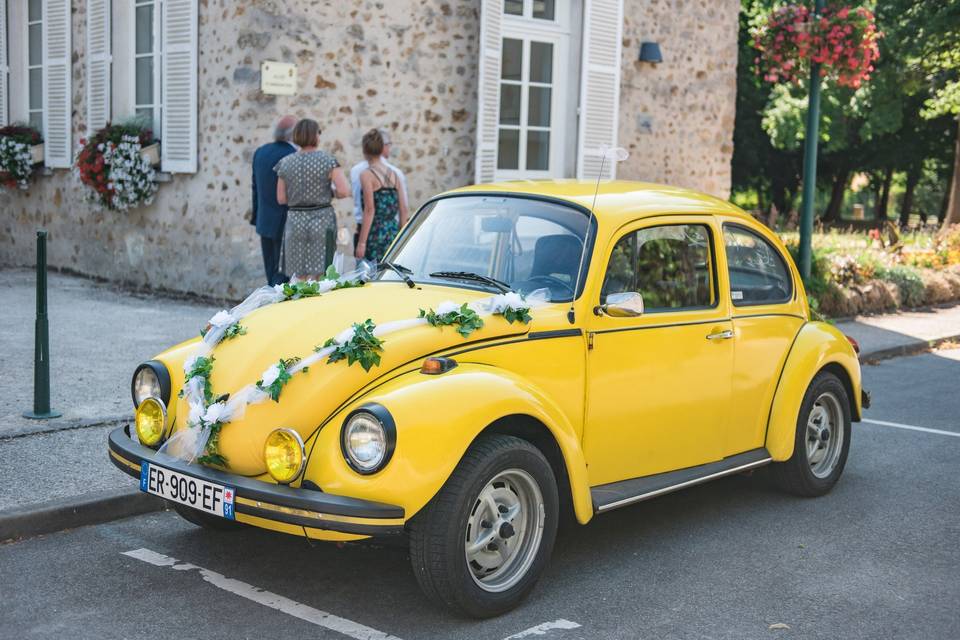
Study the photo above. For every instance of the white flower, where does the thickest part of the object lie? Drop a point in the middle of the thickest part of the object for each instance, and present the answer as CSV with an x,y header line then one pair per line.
x,y
222,320
326,285
278,288
447,307
216,412
505,301
345,336
190,362
196,413
270,375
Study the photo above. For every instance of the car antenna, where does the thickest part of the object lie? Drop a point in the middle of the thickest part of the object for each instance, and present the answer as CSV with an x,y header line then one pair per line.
x,y
617,154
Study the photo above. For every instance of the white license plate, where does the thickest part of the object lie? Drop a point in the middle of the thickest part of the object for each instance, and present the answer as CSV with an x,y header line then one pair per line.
x,y
193,492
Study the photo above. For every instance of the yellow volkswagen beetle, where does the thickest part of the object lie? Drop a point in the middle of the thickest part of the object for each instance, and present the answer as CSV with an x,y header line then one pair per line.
x,y
526,350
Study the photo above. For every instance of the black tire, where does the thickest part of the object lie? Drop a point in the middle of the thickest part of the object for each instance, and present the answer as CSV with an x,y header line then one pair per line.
x,y
205,520
797,475
437,533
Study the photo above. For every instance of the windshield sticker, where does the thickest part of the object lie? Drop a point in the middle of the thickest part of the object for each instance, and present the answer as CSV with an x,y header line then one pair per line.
x,y
736,295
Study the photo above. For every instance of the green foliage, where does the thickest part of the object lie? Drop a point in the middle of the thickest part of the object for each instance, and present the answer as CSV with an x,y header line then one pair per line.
x,y
465,319
521,315
202,368
909,282
303,289
362,347
283,377
234,330
211,451
332,274
22,133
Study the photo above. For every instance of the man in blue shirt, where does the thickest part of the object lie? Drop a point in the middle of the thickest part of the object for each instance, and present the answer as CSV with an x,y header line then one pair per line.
x,y
269,216
362,166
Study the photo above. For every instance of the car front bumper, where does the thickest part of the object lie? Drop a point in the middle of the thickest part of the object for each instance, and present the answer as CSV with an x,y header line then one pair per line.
x,y
262,503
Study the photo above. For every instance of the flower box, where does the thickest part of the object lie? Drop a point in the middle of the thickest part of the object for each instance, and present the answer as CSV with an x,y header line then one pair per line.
x,y
151,154
37,152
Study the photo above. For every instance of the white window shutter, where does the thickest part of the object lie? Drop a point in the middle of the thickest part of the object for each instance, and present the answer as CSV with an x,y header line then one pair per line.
x,y
599,86
57,86
178,143
4,68
488,89
98,64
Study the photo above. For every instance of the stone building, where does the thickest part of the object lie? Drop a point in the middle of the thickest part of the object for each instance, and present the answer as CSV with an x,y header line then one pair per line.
x,y
471,89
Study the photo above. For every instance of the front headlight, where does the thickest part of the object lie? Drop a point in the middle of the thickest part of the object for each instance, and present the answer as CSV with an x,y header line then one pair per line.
x,y
283,453
368,438
151,421
150,380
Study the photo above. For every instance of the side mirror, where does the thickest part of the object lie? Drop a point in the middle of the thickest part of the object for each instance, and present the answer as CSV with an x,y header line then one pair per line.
x,y
622,305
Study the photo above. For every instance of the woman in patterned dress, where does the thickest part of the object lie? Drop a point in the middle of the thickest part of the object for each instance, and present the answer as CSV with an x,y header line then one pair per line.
x,y
384,205
305,177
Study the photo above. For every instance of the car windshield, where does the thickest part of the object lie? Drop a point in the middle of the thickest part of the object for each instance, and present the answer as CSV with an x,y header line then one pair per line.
x,y
524,243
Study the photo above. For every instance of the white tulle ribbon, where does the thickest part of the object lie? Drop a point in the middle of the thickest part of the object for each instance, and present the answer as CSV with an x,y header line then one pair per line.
x,y
190,447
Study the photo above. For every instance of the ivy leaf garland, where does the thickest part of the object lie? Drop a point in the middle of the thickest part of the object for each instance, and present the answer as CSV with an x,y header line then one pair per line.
x,y
234,330
200,367
465,319
522,315
213,420
362,346
276,377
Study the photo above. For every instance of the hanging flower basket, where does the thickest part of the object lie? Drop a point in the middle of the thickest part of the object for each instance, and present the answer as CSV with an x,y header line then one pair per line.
x,y
842,40
112,164
17,143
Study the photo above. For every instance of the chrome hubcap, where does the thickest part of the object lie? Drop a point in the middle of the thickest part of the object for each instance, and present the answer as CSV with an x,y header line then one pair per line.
x,y
824,435
504,530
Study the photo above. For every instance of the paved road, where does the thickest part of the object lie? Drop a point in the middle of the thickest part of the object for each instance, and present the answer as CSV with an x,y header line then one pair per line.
x,y
877,558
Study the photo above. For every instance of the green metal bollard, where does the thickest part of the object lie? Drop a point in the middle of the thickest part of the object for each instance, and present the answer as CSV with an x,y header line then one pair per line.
x,y
41,354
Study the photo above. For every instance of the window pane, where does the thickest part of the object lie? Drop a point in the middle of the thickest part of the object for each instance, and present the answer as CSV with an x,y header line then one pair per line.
x,y
36,120
543,9
513,7
144,80
145,29
668,265
758,274
36,89
541,62
34,10
538,110
508,149
538,150
512,59
35,38
510,104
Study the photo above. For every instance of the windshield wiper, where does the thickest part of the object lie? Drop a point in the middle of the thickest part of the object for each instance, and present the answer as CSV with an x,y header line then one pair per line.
x,y
503,287
398,269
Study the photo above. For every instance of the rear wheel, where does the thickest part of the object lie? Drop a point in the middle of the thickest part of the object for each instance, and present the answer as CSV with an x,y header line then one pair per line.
x,y
481,544
822,440
205,520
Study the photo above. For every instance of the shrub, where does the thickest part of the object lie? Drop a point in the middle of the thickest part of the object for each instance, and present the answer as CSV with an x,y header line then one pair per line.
x,y
16,159
111,165
909,282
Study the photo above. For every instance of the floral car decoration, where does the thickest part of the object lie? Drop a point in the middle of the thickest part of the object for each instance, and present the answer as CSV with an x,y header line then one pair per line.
x,y
111,165
499,364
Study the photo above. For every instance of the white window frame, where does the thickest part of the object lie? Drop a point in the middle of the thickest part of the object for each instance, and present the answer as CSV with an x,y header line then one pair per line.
x,y
157,54
43,58
556,32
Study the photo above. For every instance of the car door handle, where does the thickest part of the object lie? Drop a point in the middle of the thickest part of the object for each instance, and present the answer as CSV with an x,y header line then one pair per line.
x,y
720,335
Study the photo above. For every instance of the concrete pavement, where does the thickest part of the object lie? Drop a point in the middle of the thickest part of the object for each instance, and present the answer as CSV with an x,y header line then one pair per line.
x,y
898,334
875,558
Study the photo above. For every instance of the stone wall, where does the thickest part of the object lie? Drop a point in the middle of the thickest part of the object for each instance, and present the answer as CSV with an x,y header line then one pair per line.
x,y
409,65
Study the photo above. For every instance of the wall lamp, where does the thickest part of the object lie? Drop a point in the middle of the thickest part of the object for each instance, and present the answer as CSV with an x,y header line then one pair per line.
x,y
650,52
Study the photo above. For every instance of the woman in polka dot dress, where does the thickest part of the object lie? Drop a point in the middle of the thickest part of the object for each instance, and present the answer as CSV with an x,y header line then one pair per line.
x,y
309,238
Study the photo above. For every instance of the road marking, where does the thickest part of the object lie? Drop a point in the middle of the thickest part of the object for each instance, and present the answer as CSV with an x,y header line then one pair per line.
x,y
290,607
544,629
912,428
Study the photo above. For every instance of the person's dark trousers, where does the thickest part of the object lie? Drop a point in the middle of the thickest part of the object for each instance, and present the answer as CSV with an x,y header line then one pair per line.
x,y
271,259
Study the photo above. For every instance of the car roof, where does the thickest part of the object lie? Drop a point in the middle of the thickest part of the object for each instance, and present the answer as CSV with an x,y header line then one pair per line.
x,y
618,201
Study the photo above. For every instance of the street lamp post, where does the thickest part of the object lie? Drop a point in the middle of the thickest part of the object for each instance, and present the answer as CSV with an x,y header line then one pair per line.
x,y
810,162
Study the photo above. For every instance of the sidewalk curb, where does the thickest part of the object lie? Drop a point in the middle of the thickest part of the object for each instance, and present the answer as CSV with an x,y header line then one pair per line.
x,y
909,349
63,425
68,513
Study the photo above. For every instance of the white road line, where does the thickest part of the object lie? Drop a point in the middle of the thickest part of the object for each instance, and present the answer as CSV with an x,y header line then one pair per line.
x,y
544,629
912,428
266,598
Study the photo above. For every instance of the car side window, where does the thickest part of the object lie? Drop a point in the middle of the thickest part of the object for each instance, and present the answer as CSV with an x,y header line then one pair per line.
x,y
758,272
671,266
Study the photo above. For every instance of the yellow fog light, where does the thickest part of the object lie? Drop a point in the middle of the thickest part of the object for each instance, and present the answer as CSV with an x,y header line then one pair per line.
x,y
151,419
283,453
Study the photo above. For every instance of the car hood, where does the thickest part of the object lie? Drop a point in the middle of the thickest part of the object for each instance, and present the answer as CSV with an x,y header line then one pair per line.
x,y
294,328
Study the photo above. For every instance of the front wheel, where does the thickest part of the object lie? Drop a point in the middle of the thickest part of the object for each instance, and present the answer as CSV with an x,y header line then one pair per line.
x,y
822,440
481,544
